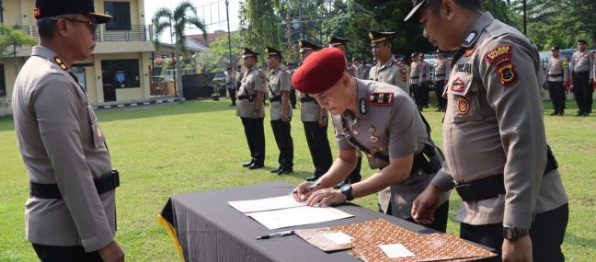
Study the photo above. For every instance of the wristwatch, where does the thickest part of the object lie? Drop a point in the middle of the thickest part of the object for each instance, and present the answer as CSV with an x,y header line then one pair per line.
x,y
346,189
514,233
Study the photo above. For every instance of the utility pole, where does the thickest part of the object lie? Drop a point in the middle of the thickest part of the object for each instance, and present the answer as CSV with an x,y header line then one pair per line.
x,y
229,34
525,18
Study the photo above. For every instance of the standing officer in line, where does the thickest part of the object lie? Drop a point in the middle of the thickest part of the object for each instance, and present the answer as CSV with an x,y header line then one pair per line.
x,y
290,69
239,76
386,70
582,72
342,44
380,120
426,81
441,69
416,79
314,119
250,109
558,77
71,211
230,85
280,111
404,71
493,134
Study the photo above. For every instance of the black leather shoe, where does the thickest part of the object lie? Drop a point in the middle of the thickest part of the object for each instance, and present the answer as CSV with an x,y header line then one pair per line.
x,y
579,114
284,170
554,113
249,163
276,170
256,166
311,178
561,113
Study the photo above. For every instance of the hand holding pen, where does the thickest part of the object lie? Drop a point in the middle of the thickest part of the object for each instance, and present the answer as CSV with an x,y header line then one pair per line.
x,y
303,191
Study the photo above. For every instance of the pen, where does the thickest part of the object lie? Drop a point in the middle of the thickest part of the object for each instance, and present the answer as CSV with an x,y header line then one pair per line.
x,y
278,234
309,187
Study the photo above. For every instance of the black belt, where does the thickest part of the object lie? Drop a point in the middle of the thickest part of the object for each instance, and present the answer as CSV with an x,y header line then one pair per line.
x,y
245,97
414,77
493,186
557,75
103,184
439,75
275,99
307,99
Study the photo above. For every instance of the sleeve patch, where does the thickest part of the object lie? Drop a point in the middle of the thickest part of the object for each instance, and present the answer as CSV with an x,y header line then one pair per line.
x,y
381,99
507,74
500,55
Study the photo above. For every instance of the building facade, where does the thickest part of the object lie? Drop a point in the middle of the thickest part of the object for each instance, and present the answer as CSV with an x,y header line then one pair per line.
x,y
117,72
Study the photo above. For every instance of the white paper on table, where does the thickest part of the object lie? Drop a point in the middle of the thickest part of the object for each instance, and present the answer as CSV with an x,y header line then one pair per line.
x,y
396,250
339,238
265,204
297,216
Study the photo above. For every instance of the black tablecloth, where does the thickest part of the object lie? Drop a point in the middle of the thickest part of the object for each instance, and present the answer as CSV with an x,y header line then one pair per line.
x,y
210,230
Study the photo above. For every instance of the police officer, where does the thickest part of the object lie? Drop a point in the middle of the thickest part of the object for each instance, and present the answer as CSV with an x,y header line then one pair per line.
x,y
278,85
357,67
239,76
369,116
441,69
315,122
230,86
424,89
417,80
582,72
386,70
557,73
293,100
71,212
250,108
493,135
342,44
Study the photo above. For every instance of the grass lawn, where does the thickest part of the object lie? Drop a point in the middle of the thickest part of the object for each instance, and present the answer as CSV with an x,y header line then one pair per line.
x,y
199,145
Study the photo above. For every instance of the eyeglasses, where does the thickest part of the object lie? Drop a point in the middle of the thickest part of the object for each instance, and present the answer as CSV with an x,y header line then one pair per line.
x,y
92,26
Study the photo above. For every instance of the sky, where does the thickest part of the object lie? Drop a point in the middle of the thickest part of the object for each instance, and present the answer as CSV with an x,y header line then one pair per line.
x,y
213,13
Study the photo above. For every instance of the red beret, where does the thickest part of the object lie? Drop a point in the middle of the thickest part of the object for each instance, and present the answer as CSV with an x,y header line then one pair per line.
x,y
320,71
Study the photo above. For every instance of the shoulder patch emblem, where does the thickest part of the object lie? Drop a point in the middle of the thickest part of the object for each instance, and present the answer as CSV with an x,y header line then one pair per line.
x,y
472,36
381,99
363,106
458,85
60,63
507,75
463,106
500,55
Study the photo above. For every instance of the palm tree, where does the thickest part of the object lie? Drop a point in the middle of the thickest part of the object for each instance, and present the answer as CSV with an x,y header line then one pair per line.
x,y
177,20
16,38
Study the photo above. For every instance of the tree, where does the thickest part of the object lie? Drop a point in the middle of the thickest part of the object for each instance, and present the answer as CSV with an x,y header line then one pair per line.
x,y
216,59
185,14
15,38
260,24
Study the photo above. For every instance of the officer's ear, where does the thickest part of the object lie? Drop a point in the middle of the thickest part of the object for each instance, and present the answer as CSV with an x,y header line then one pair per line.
x,y
448,9
62,27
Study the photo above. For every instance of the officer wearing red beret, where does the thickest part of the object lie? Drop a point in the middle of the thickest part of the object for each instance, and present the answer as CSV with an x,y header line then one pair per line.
x,y
381,121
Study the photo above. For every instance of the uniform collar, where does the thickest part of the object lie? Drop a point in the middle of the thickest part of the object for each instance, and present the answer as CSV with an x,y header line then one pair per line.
x,y
389,62
362,106
254,68
274,71
49,54
473,35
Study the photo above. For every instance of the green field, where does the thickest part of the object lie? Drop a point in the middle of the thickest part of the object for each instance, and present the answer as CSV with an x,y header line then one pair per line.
x,y
196,146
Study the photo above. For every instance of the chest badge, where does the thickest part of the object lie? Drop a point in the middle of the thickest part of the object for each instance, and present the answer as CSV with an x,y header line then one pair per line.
x,y
458,85
470,51
381,99
463,106
373,138
471,38
372,129
363,106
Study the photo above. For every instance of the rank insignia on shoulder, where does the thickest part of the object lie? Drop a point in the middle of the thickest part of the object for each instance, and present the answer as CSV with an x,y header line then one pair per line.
x,y
363,106
381,99
60,63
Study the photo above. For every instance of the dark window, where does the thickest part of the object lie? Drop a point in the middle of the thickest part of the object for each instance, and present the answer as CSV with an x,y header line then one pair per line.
x,y
2,82
1,13
120,12
121,73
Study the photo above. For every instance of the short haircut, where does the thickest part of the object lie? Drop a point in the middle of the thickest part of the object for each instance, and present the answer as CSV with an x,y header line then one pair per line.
x,y
435,5
46,27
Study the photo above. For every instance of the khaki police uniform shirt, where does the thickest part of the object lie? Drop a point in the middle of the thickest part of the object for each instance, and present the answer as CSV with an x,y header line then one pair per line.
x,y
394,128
309,111
61,143
557,69
279,81
253,81
416,73
441,70
389,73
494,125
582,62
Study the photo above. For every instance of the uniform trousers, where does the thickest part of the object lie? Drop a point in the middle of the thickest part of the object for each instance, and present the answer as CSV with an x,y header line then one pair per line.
x,y
318,144
283,138
293,98
582,90
441,101
65,254
419,91
547,233
441,214
232,92
556,91
255,136
355,176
